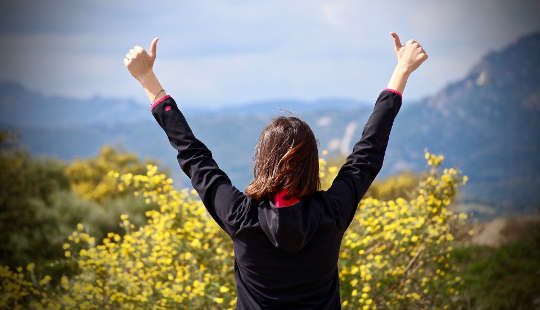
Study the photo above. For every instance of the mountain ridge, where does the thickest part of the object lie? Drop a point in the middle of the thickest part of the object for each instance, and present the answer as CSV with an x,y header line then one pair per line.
x,y
487,124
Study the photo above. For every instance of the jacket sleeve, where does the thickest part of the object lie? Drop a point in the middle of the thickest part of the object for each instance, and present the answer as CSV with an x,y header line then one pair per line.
x,y
366,160
223,201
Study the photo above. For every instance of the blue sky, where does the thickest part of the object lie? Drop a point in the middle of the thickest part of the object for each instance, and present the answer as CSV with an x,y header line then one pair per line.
x,y
215,53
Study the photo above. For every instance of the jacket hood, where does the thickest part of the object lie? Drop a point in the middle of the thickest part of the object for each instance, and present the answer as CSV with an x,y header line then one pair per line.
x,y
290,228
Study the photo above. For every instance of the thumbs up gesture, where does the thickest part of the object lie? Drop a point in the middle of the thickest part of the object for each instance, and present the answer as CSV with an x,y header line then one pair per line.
x,y
410,55
139,62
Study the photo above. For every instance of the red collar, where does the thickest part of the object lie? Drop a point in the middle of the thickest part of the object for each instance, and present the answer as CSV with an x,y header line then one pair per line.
x,y
280,201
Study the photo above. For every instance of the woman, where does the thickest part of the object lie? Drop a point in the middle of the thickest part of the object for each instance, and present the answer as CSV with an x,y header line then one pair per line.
x,y
286,232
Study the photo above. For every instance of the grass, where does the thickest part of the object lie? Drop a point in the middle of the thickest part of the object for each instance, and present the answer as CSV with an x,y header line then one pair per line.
x,y
506,277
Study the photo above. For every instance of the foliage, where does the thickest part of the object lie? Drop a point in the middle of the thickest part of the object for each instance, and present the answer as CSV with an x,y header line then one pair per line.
x,y
179,259
88,177
402,184
38,209
395,255
25,181
505,277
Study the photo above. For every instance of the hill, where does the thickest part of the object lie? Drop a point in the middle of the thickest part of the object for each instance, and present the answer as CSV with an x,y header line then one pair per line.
x,y
486,124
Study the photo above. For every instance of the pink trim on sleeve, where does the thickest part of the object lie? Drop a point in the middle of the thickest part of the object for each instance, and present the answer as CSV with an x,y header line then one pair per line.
x,y
394,91
159,100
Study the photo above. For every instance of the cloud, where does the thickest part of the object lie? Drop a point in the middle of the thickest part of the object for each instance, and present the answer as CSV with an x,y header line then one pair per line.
x,y
489,23
214,53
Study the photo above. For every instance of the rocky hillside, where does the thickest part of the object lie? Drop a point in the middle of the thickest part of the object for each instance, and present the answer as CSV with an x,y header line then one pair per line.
x,y
487,124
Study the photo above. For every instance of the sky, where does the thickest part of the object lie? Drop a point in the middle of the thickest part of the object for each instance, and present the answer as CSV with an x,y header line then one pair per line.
x,y
218,53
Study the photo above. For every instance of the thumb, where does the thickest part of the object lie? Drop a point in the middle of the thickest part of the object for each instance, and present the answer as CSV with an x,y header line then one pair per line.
x,y
153,48
397,42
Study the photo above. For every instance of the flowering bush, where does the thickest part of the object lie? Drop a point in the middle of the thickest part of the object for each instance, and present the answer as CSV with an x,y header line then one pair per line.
x,y
86,176
394,254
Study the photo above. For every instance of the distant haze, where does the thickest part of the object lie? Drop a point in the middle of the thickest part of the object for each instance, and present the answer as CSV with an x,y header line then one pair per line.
x,y
486,125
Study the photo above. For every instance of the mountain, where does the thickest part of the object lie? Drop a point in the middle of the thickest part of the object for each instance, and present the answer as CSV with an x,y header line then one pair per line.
x,y
486,124
20,107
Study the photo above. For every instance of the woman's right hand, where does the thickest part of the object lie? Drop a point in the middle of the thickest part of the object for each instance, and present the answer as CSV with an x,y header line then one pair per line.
x,y
139,62
409,56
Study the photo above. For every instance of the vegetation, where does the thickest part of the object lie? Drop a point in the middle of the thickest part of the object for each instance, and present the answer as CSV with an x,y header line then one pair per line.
x,y
26,230
394,255
505,277
65,249
402,184
88,177
42,200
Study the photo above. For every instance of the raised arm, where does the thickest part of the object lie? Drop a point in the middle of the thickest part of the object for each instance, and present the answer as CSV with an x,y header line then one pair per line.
x,y
221,199
366,159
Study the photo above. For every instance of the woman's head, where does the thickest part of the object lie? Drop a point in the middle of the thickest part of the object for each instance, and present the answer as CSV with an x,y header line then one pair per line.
x,y
286,158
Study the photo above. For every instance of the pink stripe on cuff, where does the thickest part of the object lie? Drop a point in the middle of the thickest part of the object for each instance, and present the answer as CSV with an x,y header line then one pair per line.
x,y
394,91
159,100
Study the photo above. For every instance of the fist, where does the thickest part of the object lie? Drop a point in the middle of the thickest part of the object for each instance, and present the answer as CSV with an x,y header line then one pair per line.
x,y
139,62
411,55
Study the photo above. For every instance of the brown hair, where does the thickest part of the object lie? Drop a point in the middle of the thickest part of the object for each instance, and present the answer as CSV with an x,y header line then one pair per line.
x,y
286,157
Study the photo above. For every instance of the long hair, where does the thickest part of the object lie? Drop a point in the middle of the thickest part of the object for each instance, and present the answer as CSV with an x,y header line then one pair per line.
x,y
286,157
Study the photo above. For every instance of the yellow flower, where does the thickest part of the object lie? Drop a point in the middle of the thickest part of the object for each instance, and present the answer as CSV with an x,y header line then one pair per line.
x,y
196,243
45,280
218,300
30,267
64,282
223,289
181,253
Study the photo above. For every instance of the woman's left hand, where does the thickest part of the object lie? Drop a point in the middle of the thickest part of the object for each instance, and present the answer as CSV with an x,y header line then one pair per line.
x,y
410,55
139,62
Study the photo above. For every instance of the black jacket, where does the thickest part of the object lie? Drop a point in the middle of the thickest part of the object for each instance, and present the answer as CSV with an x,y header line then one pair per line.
x,y
285,258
